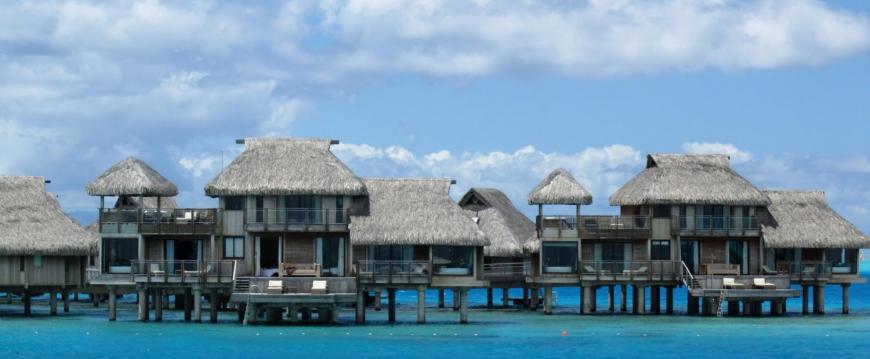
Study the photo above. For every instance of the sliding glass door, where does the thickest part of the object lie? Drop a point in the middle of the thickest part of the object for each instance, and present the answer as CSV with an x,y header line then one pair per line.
x,y
690,252
737,252
330,256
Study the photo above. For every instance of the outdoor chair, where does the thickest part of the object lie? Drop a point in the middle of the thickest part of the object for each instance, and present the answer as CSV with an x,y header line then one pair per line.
x,y
275,287
730,283
318,287
762,283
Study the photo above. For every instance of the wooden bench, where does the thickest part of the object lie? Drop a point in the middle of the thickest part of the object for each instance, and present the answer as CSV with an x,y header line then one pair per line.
x,y
721,269
299,270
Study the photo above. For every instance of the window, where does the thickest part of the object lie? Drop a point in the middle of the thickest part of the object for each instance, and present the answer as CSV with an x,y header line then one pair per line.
x,y
661,211
683,223
234,203
118,252
301,209
37,261
339,209
737,252
453,260
258,215
660,250
559,257
234,247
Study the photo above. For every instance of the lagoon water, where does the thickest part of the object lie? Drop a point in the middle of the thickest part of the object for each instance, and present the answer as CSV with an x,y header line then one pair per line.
x,y
85,332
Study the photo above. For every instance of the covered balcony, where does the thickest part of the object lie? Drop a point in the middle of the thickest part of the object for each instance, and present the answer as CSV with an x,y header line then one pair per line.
x,y
153,221
296,219
716,226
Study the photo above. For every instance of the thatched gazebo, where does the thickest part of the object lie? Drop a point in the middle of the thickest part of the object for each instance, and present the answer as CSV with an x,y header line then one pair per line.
x,y
286,166
418,215
799,225
688,179
38,236
558,188
131,177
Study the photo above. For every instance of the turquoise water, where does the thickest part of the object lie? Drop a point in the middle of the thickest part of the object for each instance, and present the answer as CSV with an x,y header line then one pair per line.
x,y
493,333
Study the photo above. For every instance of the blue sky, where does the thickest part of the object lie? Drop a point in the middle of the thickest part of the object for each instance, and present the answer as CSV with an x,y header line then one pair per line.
x,y
490,93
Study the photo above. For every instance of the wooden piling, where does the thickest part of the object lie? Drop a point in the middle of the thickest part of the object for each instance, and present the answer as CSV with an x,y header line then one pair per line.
x,y
187,304
463,309
142,297
624,294
819,299
64,295
158,305
113,304
805,299
586,293
489,297
52,303
611,301
456,299
440,298
378,300
213,304
669,300
421,305
26,298
534,300
197,305
548,300
360,307
525,297
747,307
845,287
391,305
505,297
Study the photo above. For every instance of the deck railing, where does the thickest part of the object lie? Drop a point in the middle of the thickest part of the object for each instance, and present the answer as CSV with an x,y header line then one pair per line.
x,y
394,272
159,221
603,227
506,271
745,282
295,285
806,270
716,225
296,218
182,271
649,270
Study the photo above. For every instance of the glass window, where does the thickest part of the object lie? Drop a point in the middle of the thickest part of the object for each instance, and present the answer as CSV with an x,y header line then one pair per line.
x,y
234,203
559,257
234,247
660,250
453,260
738,253
683,224
37,261
662,211
118,252
339,209
258,215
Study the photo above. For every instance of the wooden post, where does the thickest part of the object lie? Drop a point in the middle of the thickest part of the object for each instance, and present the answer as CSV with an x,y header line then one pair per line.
x,y
378,300
655,299
440,298
525,297
505,297
548,300
805,299
669,300
187,300
52,302
113,304
463,309
391,304
421,305
26,299
360,307
334,315
158,305
784,305
691,304
534,300
142,297
845,287
197,305
586,293
593,299
624,293
64,295
250,314
456,299
733,307
819,299
489,297
213,303
641,299
706,306
747,307
611,301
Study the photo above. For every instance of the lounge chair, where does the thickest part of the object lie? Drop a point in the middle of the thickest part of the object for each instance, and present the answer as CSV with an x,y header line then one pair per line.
x,y
155,269
640,270
318,287
762,283
730,283
768,270
591,270
275,287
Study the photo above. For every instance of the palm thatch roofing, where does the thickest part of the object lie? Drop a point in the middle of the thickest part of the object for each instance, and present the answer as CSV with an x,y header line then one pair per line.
x,y
503,224
131,177
147,202
32,222
688,179
412,212
286,166
560,187
803,219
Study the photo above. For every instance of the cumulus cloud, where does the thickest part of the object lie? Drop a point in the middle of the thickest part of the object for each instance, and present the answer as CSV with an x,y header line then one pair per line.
x,y
715,148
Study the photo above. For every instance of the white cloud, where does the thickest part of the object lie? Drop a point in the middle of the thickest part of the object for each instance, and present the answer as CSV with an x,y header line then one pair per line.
x,y
709,148
199,165
284,113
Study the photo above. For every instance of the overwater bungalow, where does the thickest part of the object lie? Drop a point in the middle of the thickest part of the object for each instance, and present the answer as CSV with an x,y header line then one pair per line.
x,y
42,249
150,246
284,219
809,241
557,243
409,234
506,262
704,215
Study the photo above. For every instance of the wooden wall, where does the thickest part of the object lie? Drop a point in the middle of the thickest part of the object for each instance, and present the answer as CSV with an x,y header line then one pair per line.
x,y
55,271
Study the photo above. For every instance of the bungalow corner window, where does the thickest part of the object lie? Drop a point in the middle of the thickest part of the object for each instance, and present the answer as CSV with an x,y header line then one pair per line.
x,y
37,261
118,254
234,247
453,260
234,203
660,250
559,257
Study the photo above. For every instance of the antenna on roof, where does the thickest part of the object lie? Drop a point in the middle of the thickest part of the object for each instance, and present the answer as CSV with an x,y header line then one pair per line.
x,y
240,141
333,142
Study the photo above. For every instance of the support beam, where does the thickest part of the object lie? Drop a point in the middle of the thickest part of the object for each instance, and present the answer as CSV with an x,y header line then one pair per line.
x,y
669,300
505,297
733,308
640,295
440,298
187,305
611,301
391,305
548,300
525,297
489,297
360,307
52,303
64,295
142,297
463,308
378,300
747,307
691,304
158,305
534,300
113,304
586,299
593,300
456,299
624,293
845,287
421,305
805,299
655,299
197,305
819,299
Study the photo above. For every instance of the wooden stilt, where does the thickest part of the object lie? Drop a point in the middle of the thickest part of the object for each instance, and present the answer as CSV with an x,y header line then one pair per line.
x,y
505,297
691,304
456,299
52,303
489,297
113,304
187,304
805,299
378,300
421,305
593,299
213,304
624,303
641,299
548,300
143,304
611,301
669,300
733,308
158,305
525,297
463,308
440,298
361,307
391,305
656,299
845,287
819,299
586,299
533,305
747,308
64,295
197,305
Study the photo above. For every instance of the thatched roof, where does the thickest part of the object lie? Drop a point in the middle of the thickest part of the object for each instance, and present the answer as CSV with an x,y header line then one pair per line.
x,y
147,202
688,179
506,228
560,187
412,211
131,177
285,166
803,219
32,221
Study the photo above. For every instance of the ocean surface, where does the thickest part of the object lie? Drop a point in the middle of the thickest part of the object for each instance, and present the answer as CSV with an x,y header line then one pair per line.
x,y
501,333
